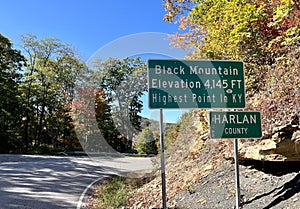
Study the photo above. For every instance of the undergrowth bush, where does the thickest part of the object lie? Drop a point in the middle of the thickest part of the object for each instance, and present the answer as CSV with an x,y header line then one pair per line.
x,y
112,194
146,144
116,192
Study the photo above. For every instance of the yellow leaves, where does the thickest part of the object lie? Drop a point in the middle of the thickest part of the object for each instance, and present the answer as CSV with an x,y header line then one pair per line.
x,y
274,42
282,11
292,36
239,29
227,24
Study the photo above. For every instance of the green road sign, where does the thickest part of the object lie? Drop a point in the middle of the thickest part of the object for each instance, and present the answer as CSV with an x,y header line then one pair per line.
x,y
229,125
196,84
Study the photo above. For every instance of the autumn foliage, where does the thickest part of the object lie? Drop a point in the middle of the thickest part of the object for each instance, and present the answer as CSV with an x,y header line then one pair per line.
x,y
91,101
265,35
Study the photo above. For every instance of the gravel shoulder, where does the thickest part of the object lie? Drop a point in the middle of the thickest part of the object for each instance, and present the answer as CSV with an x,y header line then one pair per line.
x,y
263,185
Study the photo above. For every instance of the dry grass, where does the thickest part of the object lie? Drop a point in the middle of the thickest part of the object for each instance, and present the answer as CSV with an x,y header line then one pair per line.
x,y
115,192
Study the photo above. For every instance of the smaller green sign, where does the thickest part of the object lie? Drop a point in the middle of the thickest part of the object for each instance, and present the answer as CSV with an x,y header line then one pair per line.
x,y
230,125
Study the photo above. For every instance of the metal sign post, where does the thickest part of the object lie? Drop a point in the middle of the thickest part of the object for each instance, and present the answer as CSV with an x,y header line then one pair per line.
x,y
162,160
237,175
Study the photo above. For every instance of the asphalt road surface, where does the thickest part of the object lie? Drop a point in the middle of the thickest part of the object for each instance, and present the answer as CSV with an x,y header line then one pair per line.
x,y
51,182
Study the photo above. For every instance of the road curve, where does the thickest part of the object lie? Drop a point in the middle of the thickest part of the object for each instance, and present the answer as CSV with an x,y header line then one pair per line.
x,y
52,182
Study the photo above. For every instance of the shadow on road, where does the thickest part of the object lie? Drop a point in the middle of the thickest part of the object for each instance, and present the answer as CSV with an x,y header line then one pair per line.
x,y
47,182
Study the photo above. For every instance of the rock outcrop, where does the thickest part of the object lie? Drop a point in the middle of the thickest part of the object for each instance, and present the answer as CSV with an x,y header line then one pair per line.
x,y
284,145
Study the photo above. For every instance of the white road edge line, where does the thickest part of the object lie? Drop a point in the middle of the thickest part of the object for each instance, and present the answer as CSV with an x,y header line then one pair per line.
x,y
79,204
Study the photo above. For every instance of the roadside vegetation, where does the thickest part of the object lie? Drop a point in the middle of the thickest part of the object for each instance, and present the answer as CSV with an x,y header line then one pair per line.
x,y
113,193
116,192
47,92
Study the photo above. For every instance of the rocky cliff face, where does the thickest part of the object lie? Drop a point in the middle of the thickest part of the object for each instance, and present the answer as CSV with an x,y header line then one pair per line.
x,y
283,145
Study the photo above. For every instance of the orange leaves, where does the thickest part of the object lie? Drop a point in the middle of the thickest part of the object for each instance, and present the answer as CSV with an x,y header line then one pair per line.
x,y
234,29
175,8
89,101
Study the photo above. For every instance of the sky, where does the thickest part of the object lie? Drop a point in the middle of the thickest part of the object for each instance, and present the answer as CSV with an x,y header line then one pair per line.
x,y
94,27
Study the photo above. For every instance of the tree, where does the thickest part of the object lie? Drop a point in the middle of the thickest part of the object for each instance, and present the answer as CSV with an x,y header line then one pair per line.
x,y
146,143
123,82
92,120
251,31
48,89
207,22
11,63
263,34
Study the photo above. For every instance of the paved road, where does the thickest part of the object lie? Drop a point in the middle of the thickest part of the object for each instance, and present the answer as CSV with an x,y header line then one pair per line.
x,y
51,182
